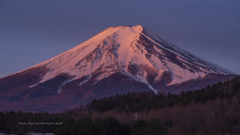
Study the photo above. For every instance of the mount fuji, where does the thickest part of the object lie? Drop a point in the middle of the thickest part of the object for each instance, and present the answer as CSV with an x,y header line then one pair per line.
x,y
117,60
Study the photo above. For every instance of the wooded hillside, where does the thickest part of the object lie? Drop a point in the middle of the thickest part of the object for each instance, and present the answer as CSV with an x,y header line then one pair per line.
x,y
211,110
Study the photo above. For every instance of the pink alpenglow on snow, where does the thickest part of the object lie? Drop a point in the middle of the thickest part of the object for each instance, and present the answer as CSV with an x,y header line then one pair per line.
x,y
124,46
117,60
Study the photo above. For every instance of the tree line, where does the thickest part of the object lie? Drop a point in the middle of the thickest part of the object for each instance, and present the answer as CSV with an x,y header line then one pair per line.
x,y
145,101
23,122
211,110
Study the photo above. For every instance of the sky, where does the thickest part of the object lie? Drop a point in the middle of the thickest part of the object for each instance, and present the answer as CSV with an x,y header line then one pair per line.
x,y
34,31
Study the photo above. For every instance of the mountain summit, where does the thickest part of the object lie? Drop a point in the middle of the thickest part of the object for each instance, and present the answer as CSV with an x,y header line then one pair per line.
x,y
117,60
133,51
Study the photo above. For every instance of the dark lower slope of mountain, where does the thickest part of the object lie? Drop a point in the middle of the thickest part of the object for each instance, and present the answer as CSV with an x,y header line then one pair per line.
x,y
197,83
44,96
21,80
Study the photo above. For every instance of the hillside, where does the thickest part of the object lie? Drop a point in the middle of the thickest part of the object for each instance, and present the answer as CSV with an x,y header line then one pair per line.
x,y
211,110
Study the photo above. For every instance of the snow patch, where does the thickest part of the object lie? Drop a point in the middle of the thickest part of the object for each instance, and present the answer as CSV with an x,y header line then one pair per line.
x,y
88,77
63,83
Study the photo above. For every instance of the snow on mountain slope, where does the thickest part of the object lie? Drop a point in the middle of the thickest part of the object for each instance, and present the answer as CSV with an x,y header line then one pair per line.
x,y
134,51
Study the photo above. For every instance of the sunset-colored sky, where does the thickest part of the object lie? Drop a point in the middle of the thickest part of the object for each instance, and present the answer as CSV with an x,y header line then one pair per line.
x,y
34,31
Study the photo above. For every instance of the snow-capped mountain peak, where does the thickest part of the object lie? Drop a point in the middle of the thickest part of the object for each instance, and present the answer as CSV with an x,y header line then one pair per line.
x,y
117,60
134,51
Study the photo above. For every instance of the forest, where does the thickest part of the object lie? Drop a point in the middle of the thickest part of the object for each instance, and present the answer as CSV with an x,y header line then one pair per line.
x,y
211,110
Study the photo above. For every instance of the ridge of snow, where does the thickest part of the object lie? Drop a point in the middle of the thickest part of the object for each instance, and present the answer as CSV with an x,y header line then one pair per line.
x,y
63,83
88,78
